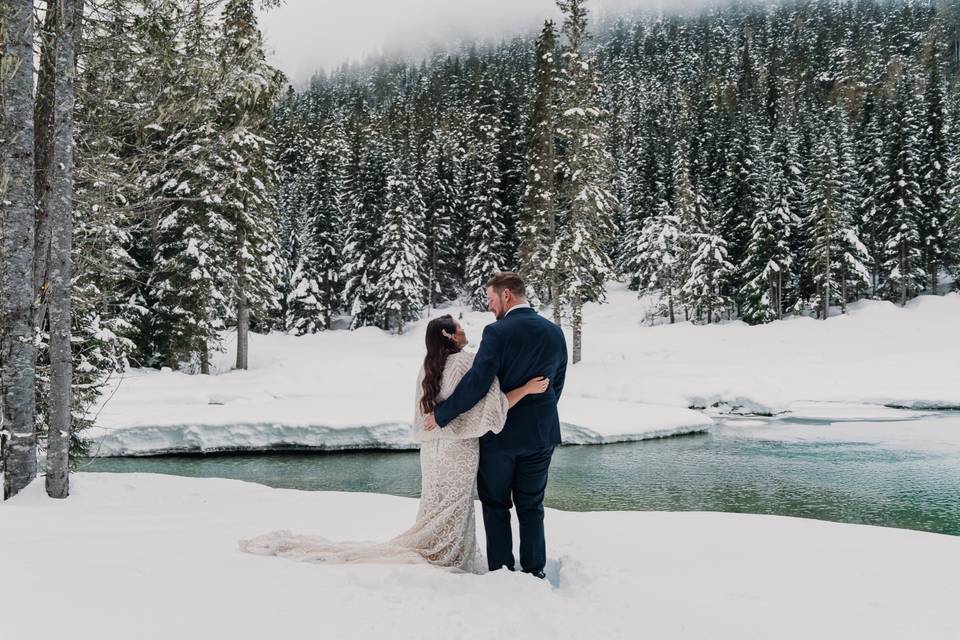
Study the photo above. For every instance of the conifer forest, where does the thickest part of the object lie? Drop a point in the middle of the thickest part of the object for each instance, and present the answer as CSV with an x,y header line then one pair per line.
x,y
743,161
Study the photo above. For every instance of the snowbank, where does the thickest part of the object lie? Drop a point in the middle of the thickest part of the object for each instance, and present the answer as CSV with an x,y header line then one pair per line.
x,y
939,433
150,557
343,389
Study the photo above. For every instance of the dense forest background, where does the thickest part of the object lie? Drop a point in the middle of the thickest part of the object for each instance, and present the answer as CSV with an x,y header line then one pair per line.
x,y
810,145
747,161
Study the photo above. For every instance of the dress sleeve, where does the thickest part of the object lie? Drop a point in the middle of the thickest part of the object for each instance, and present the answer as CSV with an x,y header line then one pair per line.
x,y
419,419
488,415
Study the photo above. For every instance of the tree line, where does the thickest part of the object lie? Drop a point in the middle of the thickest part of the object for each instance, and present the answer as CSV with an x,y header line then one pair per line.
x,y
747,162
137,200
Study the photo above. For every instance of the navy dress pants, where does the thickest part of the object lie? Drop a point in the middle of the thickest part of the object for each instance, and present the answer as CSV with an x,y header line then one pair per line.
x,y
507,478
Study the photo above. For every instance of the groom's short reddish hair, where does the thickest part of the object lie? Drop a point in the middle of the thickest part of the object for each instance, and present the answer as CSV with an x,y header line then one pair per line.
x,y
508,280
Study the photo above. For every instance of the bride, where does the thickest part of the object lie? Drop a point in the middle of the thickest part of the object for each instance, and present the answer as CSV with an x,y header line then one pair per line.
x,y
444,533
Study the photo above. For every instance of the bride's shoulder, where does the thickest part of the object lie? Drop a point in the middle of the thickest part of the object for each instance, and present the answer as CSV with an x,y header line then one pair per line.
x,y
461,359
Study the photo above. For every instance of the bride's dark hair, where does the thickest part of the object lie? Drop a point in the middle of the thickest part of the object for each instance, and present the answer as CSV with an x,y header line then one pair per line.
x,y
439,346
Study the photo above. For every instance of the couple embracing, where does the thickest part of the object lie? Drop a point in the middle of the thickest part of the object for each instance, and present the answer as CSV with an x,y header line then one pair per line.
x,y
488,421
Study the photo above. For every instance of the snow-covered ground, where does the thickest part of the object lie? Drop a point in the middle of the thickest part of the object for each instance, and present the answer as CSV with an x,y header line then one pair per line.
x,y
155,557
344,389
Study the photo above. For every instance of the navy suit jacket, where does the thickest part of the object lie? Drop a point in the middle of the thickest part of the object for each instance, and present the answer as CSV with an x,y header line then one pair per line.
x,y
520,346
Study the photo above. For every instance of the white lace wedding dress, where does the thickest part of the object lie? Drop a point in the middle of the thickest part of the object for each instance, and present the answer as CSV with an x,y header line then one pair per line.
x,y
444,533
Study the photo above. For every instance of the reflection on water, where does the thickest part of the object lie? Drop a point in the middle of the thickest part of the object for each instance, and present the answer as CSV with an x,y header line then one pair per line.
x,y
709,472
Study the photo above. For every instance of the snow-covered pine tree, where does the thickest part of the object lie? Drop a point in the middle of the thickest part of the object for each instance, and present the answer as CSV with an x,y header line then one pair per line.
x,y
871,181
402,252
181,244
933,175
855,257
364,179
443,200
709,270
902,261
953,192
834,252
314,283
645,176
512,156
482,198
742,196
660,267
580,254
769,256
689,206
246,173
292,144
538,220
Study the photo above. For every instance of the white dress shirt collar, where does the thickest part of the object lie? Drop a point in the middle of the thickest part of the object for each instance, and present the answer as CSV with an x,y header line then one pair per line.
x,y
519,305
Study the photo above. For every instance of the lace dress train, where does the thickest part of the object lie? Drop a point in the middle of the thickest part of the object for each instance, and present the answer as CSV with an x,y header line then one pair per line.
x,y
444,533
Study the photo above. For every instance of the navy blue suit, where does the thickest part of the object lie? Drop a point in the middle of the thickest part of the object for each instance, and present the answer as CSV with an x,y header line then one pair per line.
x,y
514,463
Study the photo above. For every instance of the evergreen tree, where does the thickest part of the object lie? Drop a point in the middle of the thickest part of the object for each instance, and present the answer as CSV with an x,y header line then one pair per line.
x,y
246,174
402,253
769,258
659,268
581,250
742,195
538,222
443,200
933,178
902,262
835,252
484,208
364,183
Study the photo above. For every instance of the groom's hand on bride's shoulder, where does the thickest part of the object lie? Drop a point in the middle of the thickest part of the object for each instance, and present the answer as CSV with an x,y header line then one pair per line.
x,y
431,422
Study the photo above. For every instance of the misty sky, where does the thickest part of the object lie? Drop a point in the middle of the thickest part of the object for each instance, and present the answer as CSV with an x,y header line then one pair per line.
x,y
304,36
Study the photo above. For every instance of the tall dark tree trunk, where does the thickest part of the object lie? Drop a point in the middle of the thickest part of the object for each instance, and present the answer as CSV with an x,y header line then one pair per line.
x,y
903,272
577,321
44,125
243,309
204,358
59,205
17,376
827,275
843,287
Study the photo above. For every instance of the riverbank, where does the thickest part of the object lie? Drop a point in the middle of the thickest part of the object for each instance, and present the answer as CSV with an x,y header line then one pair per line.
x,y
149,556
342,389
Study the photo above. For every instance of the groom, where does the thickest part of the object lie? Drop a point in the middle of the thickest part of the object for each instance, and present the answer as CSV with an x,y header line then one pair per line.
x,y
519,346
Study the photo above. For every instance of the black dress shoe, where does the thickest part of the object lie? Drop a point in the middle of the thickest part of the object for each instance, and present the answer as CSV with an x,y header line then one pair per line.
x,y
539,574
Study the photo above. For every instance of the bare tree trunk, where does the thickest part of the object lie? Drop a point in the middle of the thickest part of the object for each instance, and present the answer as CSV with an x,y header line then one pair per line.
x,y
826,285
17,353
59,202
577,318
243,310
780,295
557,307
903,272
204,358
44,126
670,305
843,287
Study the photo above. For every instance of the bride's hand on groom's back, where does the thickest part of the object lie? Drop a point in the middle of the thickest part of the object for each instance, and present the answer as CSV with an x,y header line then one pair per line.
x,y
537,385
430,423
